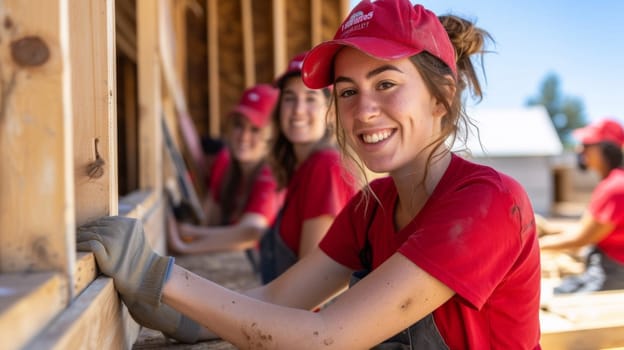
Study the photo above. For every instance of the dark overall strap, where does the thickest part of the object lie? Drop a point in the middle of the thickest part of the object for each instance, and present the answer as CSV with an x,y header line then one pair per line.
x,y
366,254
275,256
422,335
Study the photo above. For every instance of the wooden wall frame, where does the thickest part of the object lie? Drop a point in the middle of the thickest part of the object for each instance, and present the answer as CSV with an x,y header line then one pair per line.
x,y
58,137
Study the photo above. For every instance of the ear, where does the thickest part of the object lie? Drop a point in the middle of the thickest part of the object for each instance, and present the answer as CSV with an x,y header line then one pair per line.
x,y
439,110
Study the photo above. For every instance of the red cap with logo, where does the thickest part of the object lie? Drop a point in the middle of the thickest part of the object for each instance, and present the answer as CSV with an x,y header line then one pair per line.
x,y
384,29
605,130
294,66
257,104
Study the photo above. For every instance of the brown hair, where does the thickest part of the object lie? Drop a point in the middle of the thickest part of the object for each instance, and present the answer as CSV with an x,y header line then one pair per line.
x,y
233,182
467,39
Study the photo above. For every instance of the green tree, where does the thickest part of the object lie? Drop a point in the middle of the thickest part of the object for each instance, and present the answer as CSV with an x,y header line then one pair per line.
x,y
566,112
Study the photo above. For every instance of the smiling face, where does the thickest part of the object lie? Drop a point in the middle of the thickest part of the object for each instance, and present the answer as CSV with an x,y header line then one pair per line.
x,y
248,143
302,113
388,115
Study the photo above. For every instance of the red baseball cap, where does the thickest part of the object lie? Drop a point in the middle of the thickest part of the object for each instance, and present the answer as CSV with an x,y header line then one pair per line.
x,y
386,30
257,104
294,66
606,130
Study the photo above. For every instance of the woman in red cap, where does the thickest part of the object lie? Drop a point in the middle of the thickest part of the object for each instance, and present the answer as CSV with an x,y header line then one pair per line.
x,y
446,250
602,224
306,162
242,198
303,159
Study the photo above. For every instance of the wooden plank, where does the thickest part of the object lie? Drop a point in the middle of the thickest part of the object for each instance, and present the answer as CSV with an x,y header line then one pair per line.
x,y
184,181
179,53
249,57
36,180
153,224
94,102
231,60
583,339
86,271
316,22
27,303
298,26
149,91
96,319
279,36
583,321
213,67
263,41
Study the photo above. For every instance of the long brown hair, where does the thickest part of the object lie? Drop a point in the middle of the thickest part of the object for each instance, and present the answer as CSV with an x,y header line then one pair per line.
x,y
231,204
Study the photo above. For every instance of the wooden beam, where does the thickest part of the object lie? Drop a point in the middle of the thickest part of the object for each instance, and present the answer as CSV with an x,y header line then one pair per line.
x,y
95,319
179,53
583,321
249,57
279,35
37,179
316,21
94,99
27,303
212,24
149,91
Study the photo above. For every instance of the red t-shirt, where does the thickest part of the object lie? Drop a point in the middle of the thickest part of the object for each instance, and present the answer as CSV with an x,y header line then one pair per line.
x,y
476,234
320,186
607,205
263,199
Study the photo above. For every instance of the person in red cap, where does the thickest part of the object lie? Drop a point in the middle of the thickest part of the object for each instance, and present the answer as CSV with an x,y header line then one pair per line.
x,y
304,159
601,227
242,195
445,250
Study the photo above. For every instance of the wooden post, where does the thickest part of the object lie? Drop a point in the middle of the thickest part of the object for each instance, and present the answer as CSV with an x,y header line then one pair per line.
x,y
316,22
95,108
213,67
279,35
37,246
149,86
249,58
180,55
36,179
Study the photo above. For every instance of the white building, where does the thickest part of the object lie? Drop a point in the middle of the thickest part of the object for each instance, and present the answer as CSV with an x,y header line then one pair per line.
x,y
522,143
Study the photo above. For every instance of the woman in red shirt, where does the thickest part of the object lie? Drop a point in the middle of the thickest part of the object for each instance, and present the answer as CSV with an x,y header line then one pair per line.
x,y
306,162
242,200
446,249
602,224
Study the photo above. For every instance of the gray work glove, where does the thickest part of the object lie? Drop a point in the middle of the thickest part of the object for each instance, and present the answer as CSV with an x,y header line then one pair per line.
x,y
123,253
163,318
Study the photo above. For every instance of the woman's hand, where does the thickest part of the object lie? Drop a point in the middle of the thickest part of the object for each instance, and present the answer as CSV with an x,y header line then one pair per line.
x,y
123,253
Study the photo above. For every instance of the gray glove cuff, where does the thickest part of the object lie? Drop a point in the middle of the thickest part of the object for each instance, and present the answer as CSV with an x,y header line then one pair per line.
x,y
152,284
186,332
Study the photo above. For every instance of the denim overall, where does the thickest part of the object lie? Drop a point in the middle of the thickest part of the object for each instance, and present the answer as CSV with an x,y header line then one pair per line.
x,y
422,335
601,273
275,256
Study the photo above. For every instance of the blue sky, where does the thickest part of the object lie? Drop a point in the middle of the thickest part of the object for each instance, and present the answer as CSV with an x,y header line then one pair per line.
x,y
581,41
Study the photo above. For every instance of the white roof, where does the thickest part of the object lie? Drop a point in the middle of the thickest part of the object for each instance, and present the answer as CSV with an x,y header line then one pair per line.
x,y
513,132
